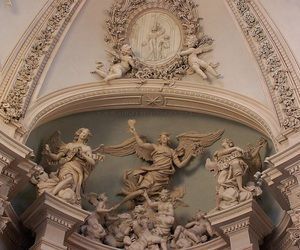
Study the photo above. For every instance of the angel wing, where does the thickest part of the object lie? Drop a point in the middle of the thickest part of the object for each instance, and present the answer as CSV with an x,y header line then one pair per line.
x,y
92,198
55,143
253,158
113,54
194,143
128,147
176,196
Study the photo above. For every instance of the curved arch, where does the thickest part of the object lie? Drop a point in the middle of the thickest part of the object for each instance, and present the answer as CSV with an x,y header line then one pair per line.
x,y
128,93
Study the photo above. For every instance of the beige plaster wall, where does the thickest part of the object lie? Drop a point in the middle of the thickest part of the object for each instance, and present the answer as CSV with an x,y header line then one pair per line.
x,y
84,44
286,16
14,21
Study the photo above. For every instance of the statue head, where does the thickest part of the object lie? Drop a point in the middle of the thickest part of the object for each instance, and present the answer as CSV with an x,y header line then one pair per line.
x,y
155,27
102,197
83,134
164,138
126,49
164,195
138,211
191,41
199,215
227,142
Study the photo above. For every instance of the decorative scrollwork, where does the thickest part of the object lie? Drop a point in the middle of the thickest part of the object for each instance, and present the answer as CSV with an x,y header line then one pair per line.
x,y
157,45
13,105
272,62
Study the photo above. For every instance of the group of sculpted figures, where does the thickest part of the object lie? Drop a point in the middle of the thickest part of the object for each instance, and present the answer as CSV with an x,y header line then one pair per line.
x,y
125,61
150,223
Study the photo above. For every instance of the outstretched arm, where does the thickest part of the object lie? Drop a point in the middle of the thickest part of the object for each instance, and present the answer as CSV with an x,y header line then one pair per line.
x,y
53,156
150,202
187,52
139,141
183,163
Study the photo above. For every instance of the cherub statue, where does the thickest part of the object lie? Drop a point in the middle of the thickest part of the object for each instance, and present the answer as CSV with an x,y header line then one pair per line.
x,y
164,219
119,69
42,180
120,228
142,237
230,165
163,158
196,64
75,159
197,231
93,228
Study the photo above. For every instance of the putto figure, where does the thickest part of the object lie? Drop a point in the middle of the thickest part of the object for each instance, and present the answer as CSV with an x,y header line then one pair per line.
x,y
199,230
230,164
75,159
197,64
124,63
155,177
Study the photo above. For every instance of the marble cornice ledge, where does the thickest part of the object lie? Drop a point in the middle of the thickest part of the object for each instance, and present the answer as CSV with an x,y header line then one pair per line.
x,y
15,165
79,242
283,174
129,93
52,220
244,225
53,209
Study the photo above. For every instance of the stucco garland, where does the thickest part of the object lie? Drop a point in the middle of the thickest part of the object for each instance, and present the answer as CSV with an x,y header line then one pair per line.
x,y
27,69
275,63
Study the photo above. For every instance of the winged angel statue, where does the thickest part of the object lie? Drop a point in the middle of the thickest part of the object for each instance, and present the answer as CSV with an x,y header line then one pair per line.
x,y
231,164
75,160
162,158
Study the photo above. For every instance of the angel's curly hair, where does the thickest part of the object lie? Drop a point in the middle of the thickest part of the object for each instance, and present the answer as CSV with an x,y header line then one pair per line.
x,y
79,131
229,142
166,134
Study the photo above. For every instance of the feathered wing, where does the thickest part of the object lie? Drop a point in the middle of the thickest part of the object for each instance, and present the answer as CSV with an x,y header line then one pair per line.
x,y
128,147
176,196
253,157
194,142
55,143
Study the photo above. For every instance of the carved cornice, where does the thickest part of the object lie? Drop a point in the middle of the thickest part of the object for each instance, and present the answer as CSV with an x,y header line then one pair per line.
x,y
26,70
47,216
52,209
58,220
79,242
236,226
274,59
246,215
128,94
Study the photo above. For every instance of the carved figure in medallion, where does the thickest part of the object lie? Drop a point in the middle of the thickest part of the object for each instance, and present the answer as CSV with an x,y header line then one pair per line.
x,y
196,64
75,159
163,158
120,68
230,164
154,42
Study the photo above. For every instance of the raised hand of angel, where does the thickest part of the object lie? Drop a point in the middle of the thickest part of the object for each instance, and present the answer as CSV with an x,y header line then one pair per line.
x,y
131,123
